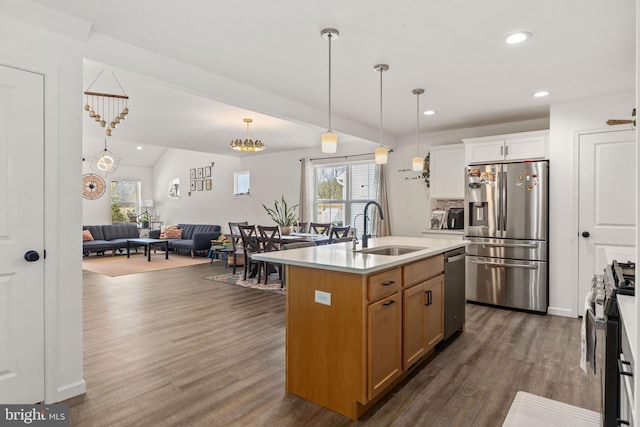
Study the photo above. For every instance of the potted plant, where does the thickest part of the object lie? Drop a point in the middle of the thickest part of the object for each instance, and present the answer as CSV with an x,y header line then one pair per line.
x,y
144,220
283,215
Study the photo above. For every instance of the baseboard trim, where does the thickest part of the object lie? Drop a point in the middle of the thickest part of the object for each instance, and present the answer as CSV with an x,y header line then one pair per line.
x,y
558,311
68,391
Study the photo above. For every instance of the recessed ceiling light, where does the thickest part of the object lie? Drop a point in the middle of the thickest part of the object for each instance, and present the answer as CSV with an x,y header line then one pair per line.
x,y
429,113
517,37
139,147
541,93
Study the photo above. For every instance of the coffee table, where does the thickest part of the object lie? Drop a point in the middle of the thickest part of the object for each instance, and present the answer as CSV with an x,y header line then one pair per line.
x,y
148,243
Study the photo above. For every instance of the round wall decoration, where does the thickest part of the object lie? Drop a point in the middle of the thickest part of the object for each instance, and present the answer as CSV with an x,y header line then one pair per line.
x,y
93,186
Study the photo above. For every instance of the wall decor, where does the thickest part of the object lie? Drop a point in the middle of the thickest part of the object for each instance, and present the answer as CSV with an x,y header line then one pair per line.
x,y
174,188
192,185
93,186
200,174
200,185
207,184
192,173
207,171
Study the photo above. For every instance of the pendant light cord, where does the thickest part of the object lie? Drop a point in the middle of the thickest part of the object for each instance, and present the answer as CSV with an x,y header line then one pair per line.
x,y
330,37
381,70
418,123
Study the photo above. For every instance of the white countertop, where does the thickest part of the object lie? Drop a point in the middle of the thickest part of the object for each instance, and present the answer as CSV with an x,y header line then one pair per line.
x,y
340,257
627,305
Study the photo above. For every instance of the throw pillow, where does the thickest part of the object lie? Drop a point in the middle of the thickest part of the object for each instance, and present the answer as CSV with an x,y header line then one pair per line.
x,y
86,235
173,233
163,233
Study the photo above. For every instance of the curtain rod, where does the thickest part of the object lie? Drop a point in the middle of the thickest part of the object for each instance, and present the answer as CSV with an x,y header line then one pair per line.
x,y
343,157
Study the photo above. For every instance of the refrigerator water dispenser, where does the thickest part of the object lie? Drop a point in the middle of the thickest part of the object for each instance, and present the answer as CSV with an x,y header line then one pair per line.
x,y
478,214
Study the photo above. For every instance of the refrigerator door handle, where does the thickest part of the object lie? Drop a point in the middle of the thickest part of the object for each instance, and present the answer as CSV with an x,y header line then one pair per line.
x,y
499,264
508,245
503,198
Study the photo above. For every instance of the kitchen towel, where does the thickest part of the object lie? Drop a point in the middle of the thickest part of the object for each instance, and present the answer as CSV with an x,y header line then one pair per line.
x,y
588,335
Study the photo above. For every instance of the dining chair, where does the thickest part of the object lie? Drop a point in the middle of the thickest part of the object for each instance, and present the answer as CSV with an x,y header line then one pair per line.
x,y
320,228
337,232
236,257
250,246
270,242
303,227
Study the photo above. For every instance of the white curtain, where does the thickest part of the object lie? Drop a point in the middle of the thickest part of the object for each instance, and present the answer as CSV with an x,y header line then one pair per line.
x,y
304,209
383,227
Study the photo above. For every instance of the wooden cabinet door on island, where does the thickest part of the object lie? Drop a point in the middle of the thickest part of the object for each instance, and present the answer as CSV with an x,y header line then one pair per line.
x,y
434,289
385,343
414,324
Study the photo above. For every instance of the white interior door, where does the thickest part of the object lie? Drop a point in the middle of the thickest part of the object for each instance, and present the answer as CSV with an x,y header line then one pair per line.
x,y
607,203
21,230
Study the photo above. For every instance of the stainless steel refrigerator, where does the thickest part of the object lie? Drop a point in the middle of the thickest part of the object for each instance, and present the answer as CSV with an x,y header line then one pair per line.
x,y
506,219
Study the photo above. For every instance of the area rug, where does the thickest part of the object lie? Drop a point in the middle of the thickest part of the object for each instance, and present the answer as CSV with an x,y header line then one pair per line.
x,y
273,284
120,265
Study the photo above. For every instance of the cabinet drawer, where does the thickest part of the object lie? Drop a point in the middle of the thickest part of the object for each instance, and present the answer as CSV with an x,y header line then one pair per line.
x,y
422,270
384,284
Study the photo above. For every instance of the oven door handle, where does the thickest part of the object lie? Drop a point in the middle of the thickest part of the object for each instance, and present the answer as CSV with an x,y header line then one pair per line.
x,y
499,264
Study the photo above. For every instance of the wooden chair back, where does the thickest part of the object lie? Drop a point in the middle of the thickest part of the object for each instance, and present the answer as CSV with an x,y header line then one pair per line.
x,y
269,238
320,228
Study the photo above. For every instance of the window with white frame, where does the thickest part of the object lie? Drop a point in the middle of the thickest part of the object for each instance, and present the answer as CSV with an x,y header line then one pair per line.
x,y
341,190
125,201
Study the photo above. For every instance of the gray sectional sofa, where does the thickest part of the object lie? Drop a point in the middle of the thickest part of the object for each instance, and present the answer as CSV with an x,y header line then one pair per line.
x,y
109,237
195,237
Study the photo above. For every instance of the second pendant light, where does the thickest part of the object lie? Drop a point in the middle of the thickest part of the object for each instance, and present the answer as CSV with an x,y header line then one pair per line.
x,y
381,153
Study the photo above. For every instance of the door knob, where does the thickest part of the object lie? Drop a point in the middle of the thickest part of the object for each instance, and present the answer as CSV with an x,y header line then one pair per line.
x,y
585,234
31,256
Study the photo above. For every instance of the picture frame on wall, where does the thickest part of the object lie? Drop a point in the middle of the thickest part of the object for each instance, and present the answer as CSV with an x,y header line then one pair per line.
x,y
200,173
207,171
200,185
192,173
207,184
193,185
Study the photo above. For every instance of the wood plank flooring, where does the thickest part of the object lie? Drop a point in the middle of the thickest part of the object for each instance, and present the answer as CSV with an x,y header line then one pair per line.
x,y
168,348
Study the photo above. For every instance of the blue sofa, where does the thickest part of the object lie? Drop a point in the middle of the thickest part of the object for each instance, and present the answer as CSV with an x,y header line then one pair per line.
x,y
195,238
110,237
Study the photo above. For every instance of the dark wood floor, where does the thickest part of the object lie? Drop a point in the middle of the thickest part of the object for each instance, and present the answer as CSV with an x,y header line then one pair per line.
x,y
170,348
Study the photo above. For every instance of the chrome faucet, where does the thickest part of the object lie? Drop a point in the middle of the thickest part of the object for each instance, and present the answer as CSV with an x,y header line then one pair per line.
x,y
366,236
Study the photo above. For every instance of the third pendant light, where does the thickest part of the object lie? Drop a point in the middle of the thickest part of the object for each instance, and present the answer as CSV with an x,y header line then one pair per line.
x,y
381,153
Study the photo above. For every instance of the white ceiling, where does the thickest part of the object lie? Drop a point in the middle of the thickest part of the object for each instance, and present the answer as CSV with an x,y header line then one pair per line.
x,y
454,49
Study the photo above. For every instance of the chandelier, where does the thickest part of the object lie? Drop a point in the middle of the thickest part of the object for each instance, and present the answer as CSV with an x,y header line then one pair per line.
x,y
248,144
105,162
107,109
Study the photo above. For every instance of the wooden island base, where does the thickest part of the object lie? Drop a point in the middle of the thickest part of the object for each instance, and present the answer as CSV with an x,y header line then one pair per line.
x,y
352,337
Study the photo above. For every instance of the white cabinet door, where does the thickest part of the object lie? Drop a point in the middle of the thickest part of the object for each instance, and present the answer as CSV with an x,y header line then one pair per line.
x,y
485,151
447,172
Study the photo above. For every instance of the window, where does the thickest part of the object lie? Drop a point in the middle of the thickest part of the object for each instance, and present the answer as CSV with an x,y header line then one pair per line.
x,y
241,183
341,192
125,201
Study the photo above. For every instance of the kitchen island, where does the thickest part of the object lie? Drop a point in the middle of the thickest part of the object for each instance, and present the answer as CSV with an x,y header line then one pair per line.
x,y
358,320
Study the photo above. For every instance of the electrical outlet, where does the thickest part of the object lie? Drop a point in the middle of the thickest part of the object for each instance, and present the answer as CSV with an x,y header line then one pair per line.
x,y
323,297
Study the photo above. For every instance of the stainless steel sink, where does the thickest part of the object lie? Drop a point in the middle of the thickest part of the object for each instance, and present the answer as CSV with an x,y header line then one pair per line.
x,y
391,250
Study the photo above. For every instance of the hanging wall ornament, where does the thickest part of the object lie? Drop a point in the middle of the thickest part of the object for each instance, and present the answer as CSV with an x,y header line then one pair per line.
x,y
107,109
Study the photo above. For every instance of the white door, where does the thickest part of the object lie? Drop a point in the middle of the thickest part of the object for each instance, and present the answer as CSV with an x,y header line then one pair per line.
x,y
21,230
607,203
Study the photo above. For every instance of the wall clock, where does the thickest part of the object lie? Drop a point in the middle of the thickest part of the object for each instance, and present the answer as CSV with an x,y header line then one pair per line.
x,y
93,186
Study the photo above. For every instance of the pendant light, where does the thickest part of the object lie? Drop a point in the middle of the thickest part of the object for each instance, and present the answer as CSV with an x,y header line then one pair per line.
x,y
329,138
381,154
417,162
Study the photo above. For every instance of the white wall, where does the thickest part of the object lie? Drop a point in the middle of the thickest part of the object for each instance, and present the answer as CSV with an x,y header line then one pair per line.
x,y
566,120
60,59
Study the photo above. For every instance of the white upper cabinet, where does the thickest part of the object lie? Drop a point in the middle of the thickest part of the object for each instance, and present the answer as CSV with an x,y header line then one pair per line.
x,y
447,168
511,147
